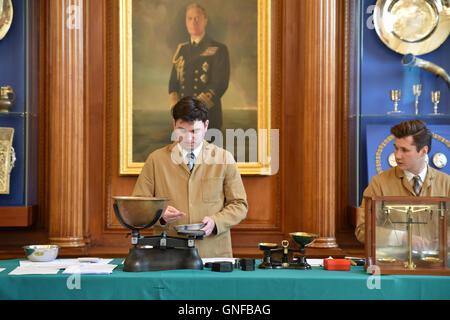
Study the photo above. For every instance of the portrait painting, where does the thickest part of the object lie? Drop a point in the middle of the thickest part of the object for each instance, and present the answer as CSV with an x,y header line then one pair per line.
x,y
218,51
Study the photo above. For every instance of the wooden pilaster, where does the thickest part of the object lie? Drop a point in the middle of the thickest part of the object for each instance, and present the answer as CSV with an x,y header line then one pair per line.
x,y
66,108
317,126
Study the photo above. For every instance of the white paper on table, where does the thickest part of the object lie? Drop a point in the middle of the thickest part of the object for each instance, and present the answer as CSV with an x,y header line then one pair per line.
x,y
93,268
315,262
33,270
1,269
206,260
59,263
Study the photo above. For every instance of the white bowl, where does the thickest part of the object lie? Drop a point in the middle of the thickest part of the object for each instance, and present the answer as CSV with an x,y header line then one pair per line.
x,y
41,253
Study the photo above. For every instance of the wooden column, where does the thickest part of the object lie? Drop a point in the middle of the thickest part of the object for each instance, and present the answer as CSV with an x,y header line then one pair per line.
x,y
66,108
318,103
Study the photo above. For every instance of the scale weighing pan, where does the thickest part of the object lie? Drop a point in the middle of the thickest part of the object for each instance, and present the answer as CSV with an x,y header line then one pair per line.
x,y
189,227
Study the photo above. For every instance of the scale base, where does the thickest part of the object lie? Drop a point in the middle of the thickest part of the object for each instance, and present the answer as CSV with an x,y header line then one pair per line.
x,y
298,264
154,259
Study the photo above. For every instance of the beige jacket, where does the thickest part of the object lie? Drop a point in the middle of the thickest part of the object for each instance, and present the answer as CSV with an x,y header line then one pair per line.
x,y
214,188
393,182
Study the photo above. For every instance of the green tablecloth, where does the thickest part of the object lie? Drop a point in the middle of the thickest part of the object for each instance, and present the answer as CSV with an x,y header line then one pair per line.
x,y
207,285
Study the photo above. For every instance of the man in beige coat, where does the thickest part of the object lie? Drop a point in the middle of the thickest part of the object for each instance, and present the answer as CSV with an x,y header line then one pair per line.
x,y
206,189
412,143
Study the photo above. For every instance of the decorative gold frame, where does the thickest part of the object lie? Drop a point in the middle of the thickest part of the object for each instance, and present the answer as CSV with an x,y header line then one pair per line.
x,y
264,162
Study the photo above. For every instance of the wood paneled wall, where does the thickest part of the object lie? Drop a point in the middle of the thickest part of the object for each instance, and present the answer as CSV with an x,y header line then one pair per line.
x,y
79,133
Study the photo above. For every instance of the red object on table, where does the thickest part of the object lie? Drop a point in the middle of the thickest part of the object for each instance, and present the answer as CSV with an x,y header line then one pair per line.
x,y
336,264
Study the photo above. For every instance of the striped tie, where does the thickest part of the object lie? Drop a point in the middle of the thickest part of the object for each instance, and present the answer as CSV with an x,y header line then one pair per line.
x,y
191,158
417,185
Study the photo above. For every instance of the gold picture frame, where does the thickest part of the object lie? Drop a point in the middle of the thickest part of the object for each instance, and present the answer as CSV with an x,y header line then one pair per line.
x,y
266,138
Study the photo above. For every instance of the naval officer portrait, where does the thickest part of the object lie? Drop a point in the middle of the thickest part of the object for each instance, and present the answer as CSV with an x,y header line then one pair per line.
x,y
200,67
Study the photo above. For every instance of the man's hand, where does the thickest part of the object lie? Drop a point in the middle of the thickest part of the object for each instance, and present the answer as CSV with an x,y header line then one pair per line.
x,y
209,225
171,214
418,243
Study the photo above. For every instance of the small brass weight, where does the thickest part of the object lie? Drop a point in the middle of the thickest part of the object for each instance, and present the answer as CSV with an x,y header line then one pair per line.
x,y
7,98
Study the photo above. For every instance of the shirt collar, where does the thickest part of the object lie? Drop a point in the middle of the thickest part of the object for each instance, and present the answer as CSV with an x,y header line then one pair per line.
x,y
196,150
409,175
198,40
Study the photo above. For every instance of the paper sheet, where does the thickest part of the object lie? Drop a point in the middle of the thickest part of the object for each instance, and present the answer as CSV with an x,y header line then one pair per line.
x,y
53,267
60,263
92,268
205,260
1,269
34,270
315,262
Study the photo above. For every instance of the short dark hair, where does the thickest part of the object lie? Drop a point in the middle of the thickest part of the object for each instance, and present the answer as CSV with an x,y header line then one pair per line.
x,y
190,109
422,136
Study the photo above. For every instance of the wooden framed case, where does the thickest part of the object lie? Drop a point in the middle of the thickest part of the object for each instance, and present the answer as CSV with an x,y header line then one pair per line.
x,y
407,235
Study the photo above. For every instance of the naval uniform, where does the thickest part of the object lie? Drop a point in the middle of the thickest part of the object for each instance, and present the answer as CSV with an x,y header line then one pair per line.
x,y
202,70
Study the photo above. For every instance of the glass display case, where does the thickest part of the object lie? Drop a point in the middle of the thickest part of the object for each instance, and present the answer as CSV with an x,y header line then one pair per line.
x,y
407,235
374,71
19,73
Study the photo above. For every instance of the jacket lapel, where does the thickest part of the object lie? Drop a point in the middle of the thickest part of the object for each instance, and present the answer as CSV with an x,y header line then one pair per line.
x,y
401,175
428,181
203,155
177,156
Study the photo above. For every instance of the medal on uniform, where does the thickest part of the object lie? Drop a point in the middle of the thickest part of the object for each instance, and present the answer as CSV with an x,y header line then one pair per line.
x,y
205,66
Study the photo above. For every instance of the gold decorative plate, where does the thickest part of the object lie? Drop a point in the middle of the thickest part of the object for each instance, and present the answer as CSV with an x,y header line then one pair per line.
x,y
412,26
6,16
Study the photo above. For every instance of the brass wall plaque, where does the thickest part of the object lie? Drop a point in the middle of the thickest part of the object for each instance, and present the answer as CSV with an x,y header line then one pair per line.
x,y
6,17
412,26
7,158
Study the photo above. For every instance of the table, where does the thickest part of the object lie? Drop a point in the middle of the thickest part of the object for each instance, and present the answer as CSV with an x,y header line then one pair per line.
x,y
208,285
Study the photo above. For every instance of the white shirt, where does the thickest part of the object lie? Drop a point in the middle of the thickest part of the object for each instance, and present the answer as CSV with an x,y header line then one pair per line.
x,y
197,41
410,176
396,236
185,153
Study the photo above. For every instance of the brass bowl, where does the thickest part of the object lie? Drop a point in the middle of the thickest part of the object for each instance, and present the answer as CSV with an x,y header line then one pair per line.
x,y
303,238
139,212
267,246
